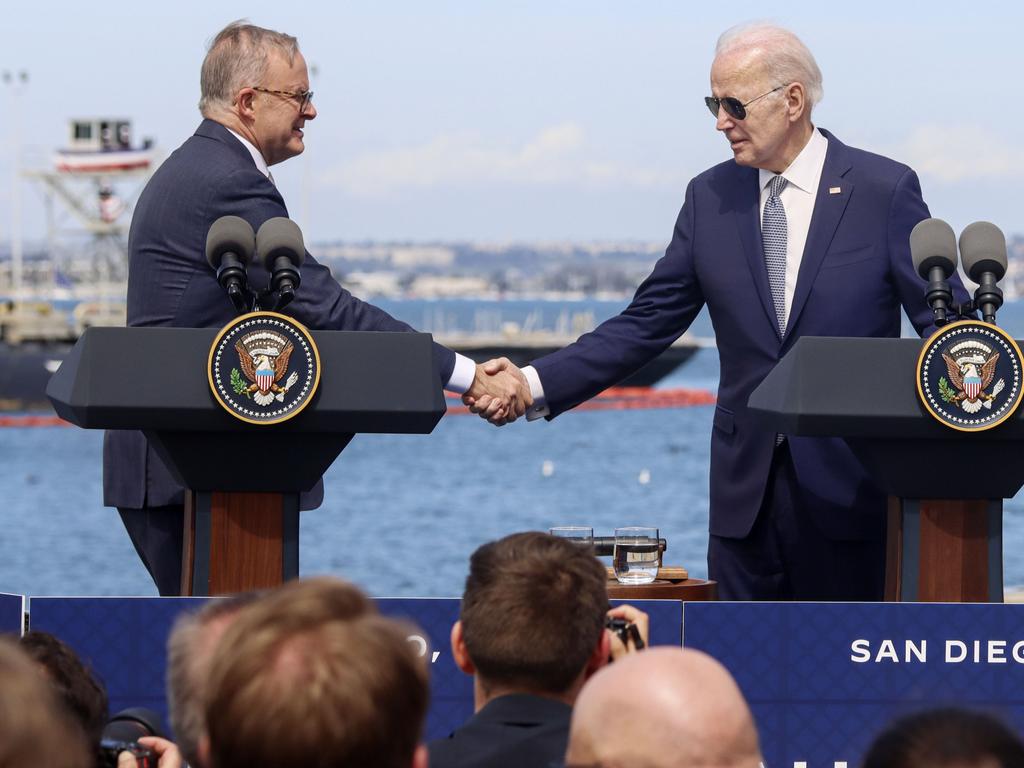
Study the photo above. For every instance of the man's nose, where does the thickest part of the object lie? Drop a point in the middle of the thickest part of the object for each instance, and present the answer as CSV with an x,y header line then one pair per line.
x,y
723,121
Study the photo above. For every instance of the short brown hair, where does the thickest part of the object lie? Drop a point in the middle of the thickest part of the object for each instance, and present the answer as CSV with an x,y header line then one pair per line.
x,y
533,611
940,738
190,646
35,729
295,683
238,58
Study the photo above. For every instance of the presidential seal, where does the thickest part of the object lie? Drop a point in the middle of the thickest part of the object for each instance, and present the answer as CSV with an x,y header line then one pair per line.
x,y
264,368
969,376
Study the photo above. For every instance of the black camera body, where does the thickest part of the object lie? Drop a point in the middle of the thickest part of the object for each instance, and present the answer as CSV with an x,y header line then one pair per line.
x,y
111,749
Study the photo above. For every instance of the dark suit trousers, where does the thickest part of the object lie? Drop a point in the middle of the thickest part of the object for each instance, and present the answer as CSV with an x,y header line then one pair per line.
x,y
158,535
787,557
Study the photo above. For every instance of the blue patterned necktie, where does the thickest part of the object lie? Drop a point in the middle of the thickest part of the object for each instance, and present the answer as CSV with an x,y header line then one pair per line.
x,y
773,233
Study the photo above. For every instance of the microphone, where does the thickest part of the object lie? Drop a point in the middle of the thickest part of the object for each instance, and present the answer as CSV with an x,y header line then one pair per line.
x,y
229,247
984,250
933,251
279,243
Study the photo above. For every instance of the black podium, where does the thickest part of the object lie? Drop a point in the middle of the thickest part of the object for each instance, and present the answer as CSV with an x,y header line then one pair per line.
x,y
945,487
244,480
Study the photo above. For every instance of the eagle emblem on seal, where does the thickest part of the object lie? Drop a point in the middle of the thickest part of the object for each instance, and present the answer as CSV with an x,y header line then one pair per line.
x,y
263,357
971,366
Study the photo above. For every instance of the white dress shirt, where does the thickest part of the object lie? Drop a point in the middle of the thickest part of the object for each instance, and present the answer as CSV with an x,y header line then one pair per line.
x,y
802,177
464,370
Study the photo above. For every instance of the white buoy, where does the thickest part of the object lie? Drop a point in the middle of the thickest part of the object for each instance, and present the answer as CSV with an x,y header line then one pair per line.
x,y
645,477
547,468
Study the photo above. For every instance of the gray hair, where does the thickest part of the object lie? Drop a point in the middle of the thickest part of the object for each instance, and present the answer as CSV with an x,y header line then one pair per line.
x,y
238,58
786,58
190,647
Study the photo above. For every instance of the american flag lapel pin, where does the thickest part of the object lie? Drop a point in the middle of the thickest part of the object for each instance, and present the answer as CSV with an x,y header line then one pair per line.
x,y
835,190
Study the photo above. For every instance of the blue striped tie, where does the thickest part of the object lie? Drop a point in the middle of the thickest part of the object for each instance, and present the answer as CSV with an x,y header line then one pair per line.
x,y
773,233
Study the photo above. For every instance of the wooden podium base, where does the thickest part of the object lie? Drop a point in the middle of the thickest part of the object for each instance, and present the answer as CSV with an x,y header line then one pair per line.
x,y
944,551
236,542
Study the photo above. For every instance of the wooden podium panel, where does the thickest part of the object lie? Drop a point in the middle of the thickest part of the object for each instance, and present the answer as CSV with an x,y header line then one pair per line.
x,y
944,551
236,542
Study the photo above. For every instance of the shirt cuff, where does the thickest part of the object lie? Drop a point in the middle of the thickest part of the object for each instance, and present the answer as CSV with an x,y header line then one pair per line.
x,y
539,409
462,375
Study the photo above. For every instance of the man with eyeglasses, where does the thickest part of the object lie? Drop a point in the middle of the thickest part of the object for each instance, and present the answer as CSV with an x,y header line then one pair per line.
x,y
256,103
797,235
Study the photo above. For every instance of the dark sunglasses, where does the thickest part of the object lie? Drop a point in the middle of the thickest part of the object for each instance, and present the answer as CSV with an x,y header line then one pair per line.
x,y
733,107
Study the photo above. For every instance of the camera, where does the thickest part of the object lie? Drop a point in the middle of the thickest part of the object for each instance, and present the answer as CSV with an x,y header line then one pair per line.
x,y
111,749
121,734
625,631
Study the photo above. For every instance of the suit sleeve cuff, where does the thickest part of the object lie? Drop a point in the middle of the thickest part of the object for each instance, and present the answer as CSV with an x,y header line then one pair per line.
x,y
539,409
462,375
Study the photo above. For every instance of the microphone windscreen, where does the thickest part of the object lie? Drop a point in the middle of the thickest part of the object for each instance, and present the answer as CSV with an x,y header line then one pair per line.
x,y
278,237
230,234
983,247
933,244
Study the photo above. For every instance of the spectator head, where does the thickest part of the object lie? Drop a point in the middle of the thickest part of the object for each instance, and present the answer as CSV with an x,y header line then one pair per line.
x,y
946,738
532,617
663,708
83,695
189,648
311,676
35,727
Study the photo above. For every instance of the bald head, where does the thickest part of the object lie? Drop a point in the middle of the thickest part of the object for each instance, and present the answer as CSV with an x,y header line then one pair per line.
x,y
663,708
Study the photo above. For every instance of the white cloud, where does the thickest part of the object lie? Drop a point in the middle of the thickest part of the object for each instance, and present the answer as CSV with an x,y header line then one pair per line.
x,y
965,152
556,155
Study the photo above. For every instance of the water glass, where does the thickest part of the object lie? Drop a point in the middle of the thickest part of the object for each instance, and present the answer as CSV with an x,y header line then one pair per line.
x,y
577,534
635,559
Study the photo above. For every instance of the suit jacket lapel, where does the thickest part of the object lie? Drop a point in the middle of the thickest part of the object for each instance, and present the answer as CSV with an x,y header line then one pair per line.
x,y
829,207
748,224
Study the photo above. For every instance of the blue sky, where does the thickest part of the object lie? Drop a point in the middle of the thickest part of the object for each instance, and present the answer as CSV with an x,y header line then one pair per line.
x,y
530,120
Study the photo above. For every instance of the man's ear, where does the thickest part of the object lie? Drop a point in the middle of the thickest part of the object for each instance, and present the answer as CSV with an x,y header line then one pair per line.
x,y
601,655
419,757
243,102
459,651
796,101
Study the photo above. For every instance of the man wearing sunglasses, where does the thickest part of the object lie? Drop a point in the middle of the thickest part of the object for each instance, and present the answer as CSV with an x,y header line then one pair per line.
x,y
256,104
797,235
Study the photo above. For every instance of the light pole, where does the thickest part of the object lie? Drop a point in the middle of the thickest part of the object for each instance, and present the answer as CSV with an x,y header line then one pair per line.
x,y
13,81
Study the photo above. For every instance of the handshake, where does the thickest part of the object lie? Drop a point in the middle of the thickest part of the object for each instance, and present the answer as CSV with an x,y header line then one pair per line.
x,y
500,392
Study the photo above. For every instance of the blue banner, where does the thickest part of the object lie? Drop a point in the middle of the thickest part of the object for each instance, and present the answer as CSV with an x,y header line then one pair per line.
x,y
823,679
124,641
12,612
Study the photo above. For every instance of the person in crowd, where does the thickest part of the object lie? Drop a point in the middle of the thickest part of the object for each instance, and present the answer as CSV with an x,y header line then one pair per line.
x,y
36,728
531,631
946,738
84,696
310,675
663,708
797,235
256,105
190,646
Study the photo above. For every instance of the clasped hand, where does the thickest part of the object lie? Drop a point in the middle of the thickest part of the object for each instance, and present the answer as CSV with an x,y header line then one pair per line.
x,y
500,392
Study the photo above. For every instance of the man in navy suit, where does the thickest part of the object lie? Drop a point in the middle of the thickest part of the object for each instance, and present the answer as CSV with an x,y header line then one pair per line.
x,y
255,104
797,235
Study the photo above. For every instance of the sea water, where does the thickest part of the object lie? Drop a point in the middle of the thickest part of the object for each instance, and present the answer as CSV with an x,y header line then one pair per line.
x,y
403,513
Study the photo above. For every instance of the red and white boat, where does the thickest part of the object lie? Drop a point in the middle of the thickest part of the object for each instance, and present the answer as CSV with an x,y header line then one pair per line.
x,y
103,145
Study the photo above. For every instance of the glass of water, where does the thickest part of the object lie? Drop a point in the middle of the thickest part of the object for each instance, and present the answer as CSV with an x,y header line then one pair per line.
x,y
635,559
577,534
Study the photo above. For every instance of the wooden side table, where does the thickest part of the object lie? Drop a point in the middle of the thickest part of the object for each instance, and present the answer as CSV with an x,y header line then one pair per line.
x,y
689,590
